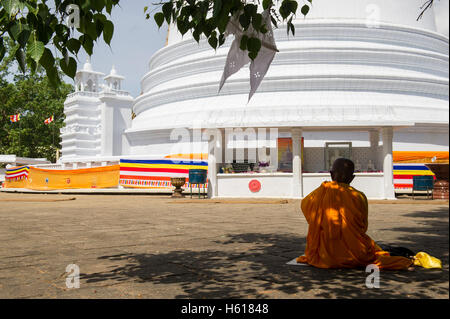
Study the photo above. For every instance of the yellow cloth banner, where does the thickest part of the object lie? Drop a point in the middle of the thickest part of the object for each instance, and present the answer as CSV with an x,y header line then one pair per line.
x,y
420,157
45,179
23,183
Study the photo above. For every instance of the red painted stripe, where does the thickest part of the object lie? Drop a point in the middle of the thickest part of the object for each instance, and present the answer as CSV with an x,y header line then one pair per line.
x,y
411,176
405,176
165,170
403,185
156,178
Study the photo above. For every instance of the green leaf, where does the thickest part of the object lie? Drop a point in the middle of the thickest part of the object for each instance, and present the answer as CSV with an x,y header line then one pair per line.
x,y
293,5
252,55
244,20
290,27
2,49
221,39
243,44
167,11
274,21
287,8
35,49
263,29
91,30
257,21
217,8
182,26
21,59
213,42
250,10
108,31
254,45
284,12
109,5
159,19
23,37
15,30
98,5
305,9
48,62
11,6
222,21
196,35
87,43
70,68
73,45
267,4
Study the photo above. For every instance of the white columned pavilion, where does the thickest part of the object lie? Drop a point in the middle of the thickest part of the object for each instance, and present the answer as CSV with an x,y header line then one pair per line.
x,y
297,176
387,135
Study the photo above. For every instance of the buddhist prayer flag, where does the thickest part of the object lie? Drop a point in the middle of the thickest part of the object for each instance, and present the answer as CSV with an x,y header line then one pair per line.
x,y
237,58
17,173
14,118
49,120
156,173
404,174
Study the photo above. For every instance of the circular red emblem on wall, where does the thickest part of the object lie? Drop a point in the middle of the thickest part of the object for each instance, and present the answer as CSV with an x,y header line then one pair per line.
x,y
254,186
68,181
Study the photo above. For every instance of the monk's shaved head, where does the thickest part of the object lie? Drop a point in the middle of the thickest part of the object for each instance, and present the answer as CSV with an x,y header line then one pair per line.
x,y
342,171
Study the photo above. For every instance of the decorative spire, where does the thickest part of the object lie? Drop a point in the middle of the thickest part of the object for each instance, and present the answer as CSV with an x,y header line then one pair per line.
x,y
113,70
87,66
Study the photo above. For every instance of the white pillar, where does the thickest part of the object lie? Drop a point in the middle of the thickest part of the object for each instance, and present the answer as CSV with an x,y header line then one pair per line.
x,y
374,137
388,134
214,147
297,176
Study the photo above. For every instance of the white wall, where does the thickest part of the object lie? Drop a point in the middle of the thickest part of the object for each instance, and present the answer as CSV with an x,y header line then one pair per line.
x,y
278,185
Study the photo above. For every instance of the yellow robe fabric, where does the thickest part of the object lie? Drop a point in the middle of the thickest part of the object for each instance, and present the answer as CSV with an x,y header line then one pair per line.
x,y
337,215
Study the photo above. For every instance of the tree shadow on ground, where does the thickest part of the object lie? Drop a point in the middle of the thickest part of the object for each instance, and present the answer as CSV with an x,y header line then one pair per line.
x,y
430,233
237,271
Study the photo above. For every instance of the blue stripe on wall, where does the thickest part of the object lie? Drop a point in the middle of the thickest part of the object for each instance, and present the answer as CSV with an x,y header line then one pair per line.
x,y
411,167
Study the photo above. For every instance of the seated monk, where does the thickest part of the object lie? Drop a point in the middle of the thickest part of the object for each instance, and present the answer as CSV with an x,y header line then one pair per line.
x,y
337,215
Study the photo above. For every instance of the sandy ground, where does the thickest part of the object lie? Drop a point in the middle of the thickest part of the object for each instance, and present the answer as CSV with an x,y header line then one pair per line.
x,y
147,246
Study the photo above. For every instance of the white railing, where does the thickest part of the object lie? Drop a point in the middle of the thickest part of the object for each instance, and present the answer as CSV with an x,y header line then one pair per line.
x,y
82,93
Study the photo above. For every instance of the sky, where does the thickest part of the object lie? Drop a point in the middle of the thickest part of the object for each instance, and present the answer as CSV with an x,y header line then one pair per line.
x,y
441,10
136,39
134,42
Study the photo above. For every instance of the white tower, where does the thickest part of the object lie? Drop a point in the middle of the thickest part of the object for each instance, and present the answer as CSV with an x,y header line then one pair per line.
x,y
113,80
96,116
115,115
86,79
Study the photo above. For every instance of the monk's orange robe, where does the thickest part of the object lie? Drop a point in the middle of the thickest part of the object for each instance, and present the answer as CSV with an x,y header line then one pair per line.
x,y
337,215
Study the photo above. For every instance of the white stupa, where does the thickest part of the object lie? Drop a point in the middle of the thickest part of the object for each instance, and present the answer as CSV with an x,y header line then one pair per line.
x,y
362,63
